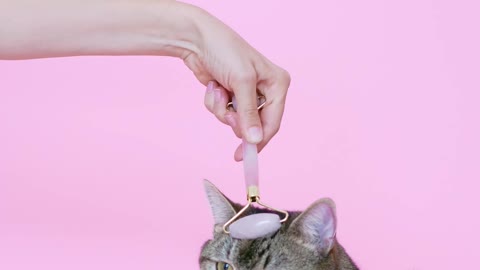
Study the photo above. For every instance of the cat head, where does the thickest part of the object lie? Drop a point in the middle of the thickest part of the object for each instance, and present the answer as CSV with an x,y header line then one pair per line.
x,y
306,241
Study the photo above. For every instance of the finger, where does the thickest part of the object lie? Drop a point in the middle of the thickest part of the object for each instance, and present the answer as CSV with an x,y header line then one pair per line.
x,y
221,98
246,95
232,121
238,155
209,99
271,117
272,113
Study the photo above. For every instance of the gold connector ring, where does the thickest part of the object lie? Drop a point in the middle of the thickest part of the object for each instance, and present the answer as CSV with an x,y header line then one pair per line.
x,y
261,101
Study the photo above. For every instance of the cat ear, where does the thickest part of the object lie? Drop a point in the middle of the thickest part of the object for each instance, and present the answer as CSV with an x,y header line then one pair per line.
x,y
222,208
316,227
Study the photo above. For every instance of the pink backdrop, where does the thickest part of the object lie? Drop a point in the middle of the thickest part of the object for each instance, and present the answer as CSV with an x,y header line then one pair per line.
x,y
101,159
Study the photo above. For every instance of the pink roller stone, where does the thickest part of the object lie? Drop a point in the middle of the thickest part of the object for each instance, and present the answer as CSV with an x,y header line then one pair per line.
x,y
255,226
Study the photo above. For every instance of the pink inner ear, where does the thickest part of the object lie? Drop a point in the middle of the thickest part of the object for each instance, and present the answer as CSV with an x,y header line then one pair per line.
x,y
319,222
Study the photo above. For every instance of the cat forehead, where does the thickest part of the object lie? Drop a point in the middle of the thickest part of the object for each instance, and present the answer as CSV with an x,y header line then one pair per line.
x,y
277,252
243,248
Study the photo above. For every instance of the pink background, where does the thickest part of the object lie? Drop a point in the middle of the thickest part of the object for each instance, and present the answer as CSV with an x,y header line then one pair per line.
x,y
101,158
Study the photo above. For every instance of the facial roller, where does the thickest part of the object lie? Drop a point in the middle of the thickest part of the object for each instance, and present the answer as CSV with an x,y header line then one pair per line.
x,y
256,225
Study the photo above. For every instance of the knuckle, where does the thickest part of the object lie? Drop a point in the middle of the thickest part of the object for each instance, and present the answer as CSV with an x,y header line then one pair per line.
x,y
251,113
276,129
285,77
246,76
272,131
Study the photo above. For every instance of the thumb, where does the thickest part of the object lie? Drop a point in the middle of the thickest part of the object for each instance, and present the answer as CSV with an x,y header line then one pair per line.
x,y
246,103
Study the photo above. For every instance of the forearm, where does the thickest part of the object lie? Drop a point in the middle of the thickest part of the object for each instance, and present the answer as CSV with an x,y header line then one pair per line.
x,y
56,28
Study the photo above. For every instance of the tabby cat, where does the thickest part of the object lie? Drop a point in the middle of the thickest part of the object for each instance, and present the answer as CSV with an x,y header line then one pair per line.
x,y
306,241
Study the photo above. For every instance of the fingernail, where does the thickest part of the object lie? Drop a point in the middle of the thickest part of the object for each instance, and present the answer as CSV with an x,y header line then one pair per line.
x,y
238,158
254,135
230,120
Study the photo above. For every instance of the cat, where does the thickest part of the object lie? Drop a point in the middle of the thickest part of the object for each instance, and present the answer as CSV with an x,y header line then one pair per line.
x,y
306,241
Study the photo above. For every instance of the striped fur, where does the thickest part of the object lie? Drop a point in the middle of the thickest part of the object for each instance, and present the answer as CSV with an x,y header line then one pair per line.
x,y
307,241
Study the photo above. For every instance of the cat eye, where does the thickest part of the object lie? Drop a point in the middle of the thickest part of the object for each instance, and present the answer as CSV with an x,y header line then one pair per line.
x,y
223,266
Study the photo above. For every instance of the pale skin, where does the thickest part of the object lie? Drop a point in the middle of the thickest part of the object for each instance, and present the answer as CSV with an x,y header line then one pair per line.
x,y
219,58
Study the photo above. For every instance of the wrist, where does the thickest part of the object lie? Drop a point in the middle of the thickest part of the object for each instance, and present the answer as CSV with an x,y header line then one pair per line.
x,y
177,32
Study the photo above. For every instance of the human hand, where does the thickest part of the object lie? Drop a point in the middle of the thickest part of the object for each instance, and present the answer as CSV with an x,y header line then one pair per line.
x,y
228,66
212,50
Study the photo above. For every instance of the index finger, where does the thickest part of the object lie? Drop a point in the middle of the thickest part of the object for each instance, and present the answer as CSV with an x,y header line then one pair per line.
x,y
250,123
